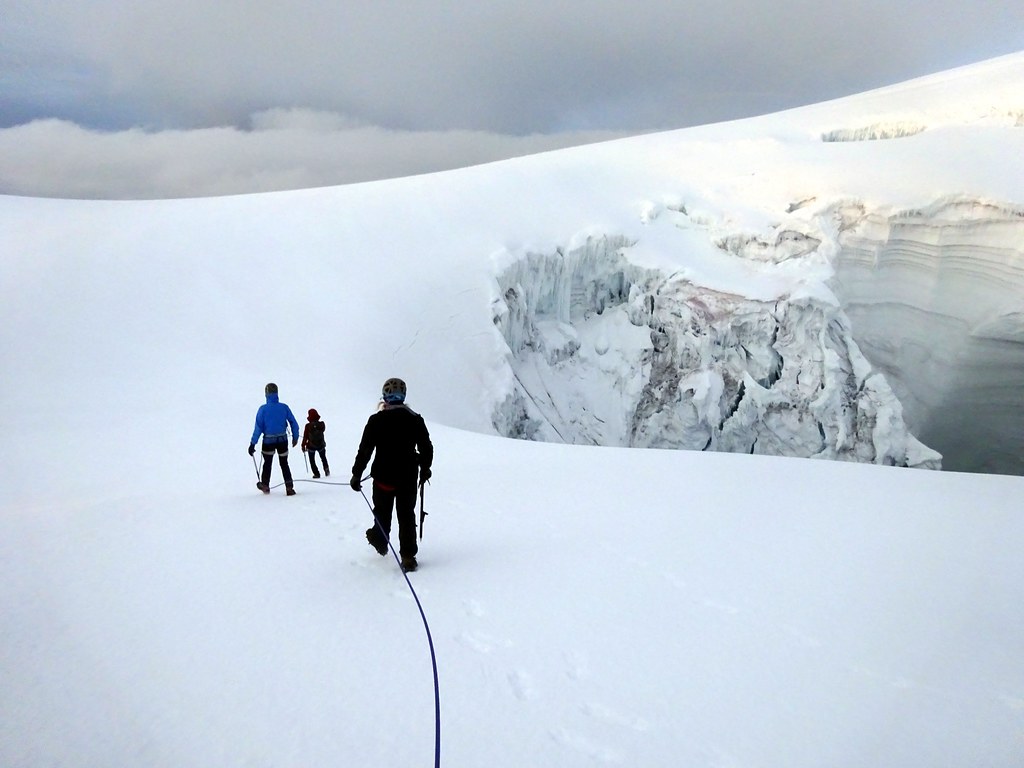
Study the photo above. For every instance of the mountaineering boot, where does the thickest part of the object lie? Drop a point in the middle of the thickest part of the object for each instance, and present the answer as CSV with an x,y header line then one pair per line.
x,y
290,491
409,564
373,536
316,475
262,487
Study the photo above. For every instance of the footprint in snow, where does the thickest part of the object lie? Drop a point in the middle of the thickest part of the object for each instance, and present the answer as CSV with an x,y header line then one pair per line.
x,y
577,666
480,642
580,743
522,685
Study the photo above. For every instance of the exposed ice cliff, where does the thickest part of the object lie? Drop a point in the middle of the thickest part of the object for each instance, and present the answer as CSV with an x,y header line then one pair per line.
x,y
935,299
605,352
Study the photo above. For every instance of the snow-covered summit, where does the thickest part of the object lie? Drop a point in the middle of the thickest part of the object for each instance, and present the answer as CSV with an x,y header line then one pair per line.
x,y
588,605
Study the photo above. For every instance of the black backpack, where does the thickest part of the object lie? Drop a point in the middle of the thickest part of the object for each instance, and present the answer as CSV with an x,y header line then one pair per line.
x,y
315,436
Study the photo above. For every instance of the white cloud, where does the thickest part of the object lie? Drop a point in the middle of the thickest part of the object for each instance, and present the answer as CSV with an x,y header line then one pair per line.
x,y
285,149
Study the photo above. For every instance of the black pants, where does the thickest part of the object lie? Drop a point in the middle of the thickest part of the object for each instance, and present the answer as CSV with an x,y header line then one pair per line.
x,y
323,457
403,500
281,449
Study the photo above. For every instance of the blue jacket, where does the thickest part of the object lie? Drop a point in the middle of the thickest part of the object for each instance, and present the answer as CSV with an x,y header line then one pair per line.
x,y
272,420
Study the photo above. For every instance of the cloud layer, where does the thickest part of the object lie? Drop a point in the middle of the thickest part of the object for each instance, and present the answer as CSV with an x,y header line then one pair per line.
x,y
290,149
391,88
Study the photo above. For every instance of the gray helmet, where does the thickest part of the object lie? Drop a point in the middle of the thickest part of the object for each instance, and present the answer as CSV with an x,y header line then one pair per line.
x,y
270,389
393,391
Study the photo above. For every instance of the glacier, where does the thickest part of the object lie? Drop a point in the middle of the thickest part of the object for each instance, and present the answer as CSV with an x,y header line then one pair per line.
x,y
901,207
838,281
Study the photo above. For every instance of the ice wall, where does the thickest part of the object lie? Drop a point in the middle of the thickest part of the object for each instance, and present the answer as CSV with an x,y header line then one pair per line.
x,y
603,352
935,299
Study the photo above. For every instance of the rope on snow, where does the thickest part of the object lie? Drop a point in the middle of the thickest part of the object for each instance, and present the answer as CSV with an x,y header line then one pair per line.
x,y
419,606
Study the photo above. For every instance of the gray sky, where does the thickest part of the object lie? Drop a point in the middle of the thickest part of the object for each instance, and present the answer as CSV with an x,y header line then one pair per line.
x,y
180,97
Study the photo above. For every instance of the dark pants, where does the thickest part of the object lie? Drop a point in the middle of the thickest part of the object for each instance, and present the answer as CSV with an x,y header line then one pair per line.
x,y
281,449
403,500
323,457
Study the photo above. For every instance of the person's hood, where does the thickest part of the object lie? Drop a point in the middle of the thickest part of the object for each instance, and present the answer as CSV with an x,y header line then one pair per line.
x,y
313,415
272,398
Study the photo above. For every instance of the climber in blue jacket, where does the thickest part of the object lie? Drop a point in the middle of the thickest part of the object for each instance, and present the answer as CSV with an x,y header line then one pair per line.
x,y
272,421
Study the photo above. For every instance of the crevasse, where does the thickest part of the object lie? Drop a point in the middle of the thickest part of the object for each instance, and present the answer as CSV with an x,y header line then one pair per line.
x,y
935,298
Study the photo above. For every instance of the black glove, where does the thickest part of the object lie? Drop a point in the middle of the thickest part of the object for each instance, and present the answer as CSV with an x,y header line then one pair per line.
x,y
252,449
355,484
425,474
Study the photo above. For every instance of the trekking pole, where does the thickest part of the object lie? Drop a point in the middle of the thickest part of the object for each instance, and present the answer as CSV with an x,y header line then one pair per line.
x,y
256,468
305,462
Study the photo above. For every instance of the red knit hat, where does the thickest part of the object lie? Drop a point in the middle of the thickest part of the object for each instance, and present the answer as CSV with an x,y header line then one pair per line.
x,y
313,415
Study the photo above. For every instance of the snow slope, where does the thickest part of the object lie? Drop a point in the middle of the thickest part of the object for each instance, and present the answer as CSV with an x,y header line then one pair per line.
x,y
588,605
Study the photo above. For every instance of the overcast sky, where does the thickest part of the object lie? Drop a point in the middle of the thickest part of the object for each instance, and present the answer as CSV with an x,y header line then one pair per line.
x,y
189,97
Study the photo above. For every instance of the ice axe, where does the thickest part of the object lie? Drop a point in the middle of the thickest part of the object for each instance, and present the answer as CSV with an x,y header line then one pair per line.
x,y
423,512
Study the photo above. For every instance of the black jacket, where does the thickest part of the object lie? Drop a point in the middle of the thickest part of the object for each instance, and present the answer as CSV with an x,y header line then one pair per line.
x,y
402,444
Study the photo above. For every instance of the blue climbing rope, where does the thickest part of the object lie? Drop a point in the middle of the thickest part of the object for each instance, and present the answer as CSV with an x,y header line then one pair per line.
x,y
430,640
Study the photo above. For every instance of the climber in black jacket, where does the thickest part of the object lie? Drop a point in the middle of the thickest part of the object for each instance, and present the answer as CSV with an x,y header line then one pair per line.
x,y
397,438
